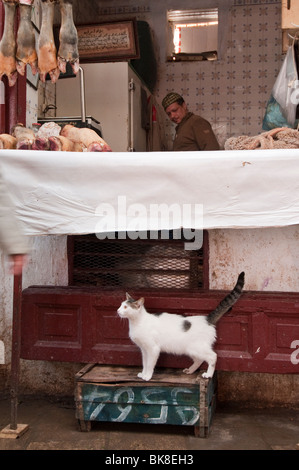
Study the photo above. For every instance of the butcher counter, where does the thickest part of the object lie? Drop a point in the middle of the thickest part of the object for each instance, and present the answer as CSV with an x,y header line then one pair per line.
x,y
87,192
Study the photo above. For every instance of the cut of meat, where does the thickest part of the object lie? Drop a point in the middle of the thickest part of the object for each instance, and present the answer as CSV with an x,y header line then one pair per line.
x,y
88,137
25,137
51,137
47,61
98,147
7,141
8,65
64,144
26,52
49,129
68,37
41,143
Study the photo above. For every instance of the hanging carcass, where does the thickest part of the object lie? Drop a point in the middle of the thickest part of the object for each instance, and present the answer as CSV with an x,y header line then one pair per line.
x,y
8,65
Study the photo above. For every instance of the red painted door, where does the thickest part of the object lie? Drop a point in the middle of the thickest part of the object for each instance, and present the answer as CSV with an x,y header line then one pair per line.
x,y
81,325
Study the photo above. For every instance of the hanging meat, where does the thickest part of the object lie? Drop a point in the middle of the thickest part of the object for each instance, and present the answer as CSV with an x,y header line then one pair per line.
x,y
47,60
68,38
8,43
91,141
26,52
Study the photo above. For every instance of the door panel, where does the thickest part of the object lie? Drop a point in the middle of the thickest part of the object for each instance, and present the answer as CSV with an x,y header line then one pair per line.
x,y
81,325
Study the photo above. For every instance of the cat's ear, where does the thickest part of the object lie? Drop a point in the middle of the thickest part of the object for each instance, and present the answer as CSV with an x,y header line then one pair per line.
x,y
140,302
129,298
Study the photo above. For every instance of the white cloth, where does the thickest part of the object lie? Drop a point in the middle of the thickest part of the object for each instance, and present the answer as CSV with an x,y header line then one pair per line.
x,y
78,193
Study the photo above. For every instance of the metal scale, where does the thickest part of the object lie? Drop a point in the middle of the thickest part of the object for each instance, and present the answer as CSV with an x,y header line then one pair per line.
x,y
83,121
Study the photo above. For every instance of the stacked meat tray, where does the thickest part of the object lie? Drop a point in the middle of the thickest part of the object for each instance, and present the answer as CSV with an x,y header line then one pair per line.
x,y
18,51
51,136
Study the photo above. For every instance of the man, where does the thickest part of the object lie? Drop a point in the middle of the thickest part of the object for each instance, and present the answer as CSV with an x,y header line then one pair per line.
x,y
192,132
12,240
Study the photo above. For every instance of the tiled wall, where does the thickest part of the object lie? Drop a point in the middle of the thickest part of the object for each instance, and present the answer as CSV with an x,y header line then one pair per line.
x,y
232,94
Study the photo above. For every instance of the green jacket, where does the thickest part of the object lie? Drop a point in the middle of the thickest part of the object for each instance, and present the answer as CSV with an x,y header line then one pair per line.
x,y
194,133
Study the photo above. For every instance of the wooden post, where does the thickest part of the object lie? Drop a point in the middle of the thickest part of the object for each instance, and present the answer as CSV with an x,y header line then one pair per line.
x,y
15,430
15,352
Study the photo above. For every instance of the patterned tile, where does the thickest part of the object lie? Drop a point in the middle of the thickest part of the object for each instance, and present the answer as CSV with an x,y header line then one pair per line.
x,y
233,93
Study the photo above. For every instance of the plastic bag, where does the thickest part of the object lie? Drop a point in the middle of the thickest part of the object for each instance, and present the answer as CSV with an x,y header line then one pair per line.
x,y
282,105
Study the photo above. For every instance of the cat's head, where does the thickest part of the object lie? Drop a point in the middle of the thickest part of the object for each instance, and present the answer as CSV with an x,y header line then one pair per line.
x,y
130,308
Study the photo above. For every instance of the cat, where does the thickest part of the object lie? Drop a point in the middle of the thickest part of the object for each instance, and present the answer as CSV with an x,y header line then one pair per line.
x,y
193,336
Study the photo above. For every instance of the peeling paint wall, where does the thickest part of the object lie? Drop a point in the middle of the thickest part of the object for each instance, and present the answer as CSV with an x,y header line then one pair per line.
x,y
269,257
47,265
47,262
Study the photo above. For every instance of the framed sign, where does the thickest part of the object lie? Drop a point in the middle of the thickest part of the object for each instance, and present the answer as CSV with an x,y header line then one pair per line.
x,y
103,42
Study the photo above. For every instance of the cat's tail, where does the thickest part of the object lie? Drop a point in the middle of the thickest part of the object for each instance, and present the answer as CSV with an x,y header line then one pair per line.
x,y
227,302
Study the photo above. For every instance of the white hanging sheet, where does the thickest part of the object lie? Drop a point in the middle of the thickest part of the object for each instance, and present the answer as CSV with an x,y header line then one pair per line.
x,y
79,193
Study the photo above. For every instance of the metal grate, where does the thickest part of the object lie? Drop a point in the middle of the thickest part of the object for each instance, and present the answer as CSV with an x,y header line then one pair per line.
x,y
154,264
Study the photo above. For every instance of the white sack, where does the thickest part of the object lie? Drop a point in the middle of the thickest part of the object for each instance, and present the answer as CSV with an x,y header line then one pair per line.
x,y
286,87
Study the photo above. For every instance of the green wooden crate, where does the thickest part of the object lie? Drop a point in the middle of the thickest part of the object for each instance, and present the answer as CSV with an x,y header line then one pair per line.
x,y
115,394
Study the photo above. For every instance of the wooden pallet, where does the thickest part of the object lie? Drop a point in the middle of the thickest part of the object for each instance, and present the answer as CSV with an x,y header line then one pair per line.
x,y
116,394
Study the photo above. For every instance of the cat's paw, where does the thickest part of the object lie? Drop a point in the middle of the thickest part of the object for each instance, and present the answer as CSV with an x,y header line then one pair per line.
x,y
145,377
205,375
187,371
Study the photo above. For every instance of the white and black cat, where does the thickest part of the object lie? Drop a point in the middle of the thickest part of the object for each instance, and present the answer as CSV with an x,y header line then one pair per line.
x,y
193,336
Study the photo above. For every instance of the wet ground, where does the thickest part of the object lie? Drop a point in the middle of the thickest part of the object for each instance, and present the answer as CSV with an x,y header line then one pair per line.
x,y
53,426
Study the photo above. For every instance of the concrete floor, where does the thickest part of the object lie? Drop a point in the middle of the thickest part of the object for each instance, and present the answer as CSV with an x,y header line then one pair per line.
x,y
53,426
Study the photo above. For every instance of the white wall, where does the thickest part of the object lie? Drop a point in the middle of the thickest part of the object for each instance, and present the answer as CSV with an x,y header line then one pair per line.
x,y
269,257
47,265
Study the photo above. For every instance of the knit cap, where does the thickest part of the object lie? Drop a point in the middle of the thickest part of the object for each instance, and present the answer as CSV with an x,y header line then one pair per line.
x,y
170,99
